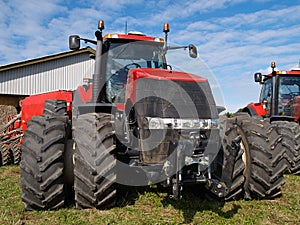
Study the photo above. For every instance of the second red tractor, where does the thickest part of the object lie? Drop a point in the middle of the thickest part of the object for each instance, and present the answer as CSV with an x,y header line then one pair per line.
x,y
279,102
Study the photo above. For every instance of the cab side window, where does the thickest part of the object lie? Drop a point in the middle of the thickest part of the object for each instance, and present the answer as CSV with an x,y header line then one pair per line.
x,y
266,91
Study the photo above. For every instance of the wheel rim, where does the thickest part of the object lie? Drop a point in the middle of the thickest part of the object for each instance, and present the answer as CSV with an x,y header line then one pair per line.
x,y
245,156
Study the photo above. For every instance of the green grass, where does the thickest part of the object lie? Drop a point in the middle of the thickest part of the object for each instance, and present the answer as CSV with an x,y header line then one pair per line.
x,y
150,206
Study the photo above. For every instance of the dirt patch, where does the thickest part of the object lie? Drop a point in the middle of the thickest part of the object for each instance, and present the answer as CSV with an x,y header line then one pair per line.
x,y
12,172
5,111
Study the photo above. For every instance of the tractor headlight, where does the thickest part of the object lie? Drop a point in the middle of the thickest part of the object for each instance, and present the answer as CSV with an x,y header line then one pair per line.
x,y
155,123
190,124
187,124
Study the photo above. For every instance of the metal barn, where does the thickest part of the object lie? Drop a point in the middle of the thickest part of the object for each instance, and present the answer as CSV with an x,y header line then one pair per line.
x,y
62,71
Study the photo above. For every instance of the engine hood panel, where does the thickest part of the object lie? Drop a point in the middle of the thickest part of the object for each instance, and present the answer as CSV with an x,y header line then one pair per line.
x,y
163,74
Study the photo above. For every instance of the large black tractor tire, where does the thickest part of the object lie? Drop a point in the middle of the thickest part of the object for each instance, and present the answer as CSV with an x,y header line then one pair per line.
x,y
58,108
54,107
290,132
263,156
42,163
95,162
228,165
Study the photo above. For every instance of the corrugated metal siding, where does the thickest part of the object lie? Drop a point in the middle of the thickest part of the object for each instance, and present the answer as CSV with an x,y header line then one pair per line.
x,y
60,74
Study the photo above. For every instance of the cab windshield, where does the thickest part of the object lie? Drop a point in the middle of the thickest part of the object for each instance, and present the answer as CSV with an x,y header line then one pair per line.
x,y
288,89
121,57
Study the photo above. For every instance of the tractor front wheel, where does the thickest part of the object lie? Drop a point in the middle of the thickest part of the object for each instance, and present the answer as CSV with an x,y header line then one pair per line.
x,y
263,156
228,165
95,161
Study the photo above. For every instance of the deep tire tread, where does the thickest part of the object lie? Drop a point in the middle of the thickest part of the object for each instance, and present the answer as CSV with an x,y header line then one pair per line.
x,y
42,163
290,132
4,155
223,164
54,107
95,162
266,163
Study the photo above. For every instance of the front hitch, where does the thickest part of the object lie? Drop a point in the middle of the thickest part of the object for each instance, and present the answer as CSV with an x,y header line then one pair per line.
x,y
218,188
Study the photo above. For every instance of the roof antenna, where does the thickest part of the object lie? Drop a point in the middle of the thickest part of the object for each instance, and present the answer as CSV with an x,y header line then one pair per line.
x,y
126,27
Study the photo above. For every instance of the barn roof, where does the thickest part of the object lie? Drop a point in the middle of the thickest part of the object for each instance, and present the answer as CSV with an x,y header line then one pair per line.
x,y
46,58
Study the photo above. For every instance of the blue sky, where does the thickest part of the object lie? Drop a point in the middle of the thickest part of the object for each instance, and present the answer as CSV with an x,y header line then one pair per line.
x,y
235,38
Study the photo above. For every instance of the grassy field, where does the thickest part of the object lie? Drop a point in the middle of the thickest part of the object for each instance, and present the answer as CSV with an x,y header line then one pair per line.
x,y
149,206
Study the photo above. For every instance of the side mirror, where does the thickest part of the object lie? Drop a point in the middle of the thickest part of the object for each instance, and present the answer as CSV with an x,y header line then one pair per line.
x,y
74,42
193,51
258,77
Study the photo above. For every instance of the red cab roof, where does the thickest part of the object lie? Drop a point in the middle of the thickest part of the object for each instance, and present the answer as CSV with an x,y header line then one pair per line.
x,y
295,71
137,37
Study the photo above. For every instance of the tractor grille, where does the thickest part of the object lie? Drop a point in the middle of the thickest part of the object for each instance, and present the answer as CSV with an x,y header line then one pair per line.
x,y
174,99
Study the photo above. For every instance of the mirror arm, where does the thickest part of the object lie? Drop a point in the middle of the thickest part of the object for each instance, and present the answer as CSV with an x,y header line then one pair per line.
x,y
88,40
176,47
173,48
191,47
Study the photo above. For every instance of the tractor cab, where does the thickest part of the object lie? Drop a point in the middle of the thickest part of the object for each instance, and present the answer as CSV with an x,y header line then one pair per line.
x,y
280,94
128,51
116,54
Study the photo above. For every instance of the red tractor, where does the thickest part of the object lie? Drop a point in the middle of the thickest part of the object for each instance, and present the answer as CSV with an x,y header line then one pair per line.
x,y
136,122
279,102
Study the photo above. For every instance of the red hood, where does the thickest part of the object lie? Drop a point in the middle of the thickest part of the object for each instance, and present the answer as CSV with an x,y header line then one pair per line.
x,y
163,74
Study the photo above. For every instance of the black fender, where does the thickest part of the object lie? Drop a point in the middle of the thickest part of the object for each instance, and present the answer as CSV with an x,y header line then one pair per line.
x,y
249,110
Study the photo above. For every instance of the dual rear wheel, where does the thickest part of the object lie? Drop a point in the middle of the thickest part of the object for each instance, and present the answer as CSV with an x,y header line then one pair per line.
x,y
262,153
46,179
